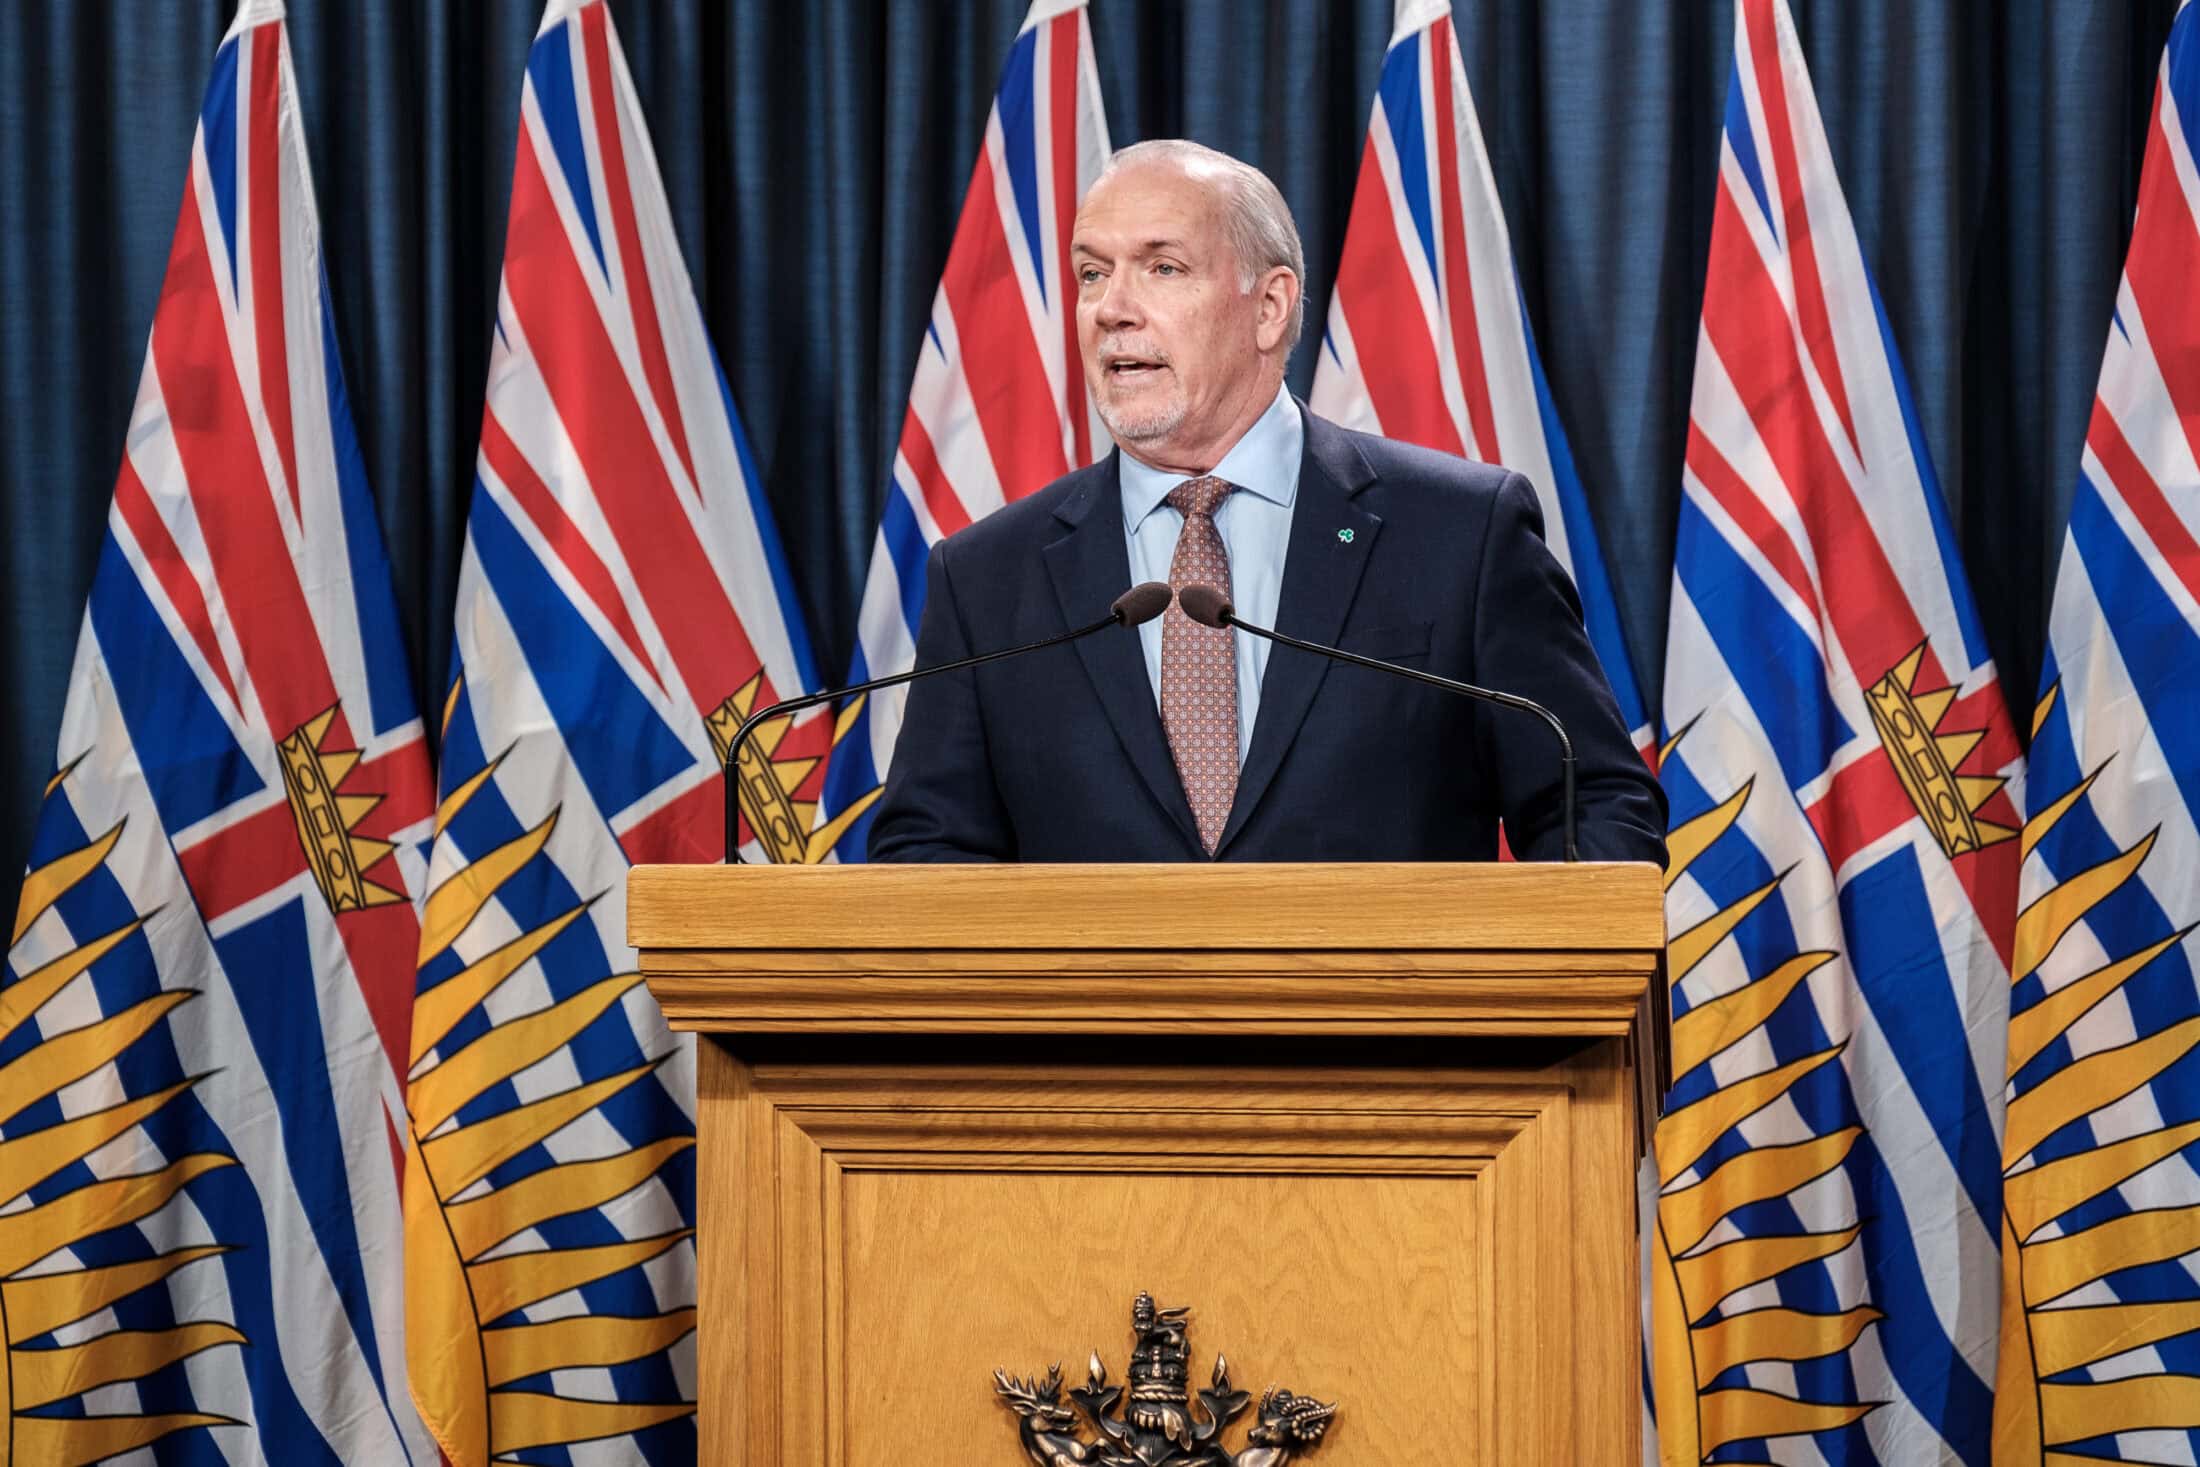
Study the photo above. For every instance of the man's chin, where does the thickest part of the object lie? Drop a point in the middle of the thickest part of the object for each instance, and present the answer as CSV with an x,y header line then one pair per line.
x,y
1142,425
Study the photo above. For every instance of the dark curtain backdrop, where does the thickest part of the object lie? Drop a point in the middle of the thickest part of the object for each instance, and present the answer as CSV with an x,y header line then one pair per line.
x,y
816,156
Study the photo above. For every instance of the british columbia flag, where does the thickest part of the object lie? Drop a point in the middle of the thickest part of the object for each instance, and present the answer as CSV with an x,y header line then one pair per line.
x,y
1823,1271
209,983
1426,284
1008,415
622,604
2101,1199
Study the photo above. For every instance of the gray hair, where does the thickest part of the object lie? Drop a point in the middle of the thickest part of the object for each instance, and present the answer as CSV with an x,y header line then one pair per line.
x,y
1255,219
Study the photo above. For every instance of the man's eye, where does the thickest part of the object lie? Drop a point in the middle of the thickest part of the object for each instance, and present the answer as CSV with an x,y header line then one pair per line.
x,y
1088,275
1165,268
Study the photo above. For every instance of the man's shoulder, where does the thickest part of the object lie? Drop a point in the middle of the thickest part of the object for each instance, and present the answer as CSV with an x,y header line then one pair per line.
x,y
1021,525
1443,481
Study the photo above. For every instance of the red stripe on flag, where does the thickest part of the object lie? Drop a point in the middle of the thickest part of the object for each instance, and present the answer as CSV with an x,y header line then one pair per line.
x,y
939,495
1989,878
1466,335
2164,261
1810,297
1748,512
1067,35
1750,329
267,248
1377,292
402,778
635,268
384,946
1861,803
691,830
397,1145
2132,483
221,463
1984,708
173,572
571,546
596,406
243,860
1007,379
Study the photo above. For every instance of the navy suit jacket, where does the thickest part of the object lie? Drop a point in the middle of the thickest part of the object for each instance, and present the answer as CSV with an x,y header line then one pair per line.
x,y
1060,755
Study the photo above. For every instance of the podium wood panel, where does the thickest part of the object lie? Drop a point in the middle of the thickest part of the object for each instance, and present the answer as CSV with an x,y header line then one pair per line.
x,y
1283,907
1411,1244
945,1128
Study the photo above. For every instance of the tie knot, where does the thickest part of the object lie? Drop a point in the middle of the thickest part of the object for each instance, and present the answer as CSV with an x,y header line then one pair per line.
x,y
1199,496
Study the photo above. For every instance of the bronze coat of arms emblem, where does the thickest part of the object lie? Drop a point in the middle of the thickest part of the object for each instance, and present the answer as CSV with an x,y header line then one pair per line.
x,y
1153,1423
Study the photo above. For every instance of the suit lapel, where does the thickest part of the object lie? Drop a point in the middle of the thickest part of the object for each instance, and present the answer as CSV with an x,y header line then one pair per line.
x,y
1321,574
1091,566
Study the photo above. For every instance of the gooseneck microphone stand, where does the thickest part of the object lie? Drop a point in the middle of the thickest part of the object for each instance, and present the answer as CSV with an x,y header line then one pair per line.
x,y
1210,608
1140,604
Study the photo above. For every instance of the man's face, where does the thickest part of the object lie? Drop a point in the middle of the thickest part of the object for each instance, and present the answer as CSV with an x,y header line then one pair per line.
x,y
1172,345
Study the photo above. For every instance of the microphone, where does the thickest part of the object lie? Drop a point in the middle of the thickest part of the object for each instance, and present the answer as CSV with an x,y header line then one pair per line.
x,y
1210,608
1135,607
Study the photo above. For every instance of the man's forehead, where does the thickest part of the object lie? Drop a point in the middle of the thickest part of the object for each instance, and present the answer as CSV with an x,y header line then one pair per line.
x,y
1147,207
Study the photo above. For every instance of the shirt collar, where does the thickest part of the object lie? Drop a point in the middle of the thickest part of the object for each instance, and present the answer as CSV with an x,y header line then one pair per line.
x,y
1264,462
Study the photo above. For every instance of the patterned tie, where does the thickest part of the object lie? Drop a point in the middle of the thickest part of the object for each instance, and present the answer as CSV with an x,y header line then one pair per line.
x,y
1199,706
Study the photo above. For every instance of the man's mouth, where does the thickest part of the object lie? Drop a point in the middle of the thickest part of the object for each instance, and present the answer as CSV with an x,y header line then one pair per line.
x,y
1132,370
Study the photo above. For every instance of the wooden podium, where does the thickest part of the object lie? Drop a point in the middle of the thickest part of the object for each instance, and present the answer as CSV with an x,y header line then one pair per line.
x,y
1376,1126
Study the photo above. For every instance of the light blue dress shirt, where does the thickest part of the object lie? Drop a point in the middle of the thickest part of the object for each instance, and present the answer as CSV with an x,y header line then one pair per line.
x,y
1255,524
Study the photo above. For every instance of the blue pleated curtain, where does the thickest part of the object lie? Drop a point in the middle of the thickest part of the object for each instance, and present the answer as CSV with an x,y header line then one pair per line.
x,y
816,155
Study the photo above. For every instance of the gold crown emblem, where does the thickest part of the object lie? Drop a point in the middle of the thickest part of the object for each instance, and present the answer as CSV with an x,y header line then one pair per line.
x,y
767,785
1926,759
327,821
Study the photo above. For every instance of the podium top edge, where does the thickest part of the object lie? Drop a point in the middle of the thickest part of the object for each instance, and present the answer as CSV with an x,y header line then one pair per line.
x,y
1404,906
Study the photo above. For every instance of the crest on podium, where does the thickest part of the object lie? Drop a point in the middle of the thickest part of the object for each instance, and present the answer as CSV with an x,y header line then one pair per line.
x,y
1152,1423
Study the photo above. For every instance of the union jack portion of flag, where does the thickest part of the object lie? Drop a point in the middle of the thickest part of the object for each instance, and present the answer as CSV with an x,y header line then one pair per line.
x,y
209,980
1823,1273
2101,1198
623,603
1006,417
1427,275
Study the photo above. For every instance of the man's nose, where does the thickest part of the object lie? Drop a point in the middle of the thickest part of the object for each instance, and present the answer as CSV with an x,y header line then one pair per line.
x,y
1118,303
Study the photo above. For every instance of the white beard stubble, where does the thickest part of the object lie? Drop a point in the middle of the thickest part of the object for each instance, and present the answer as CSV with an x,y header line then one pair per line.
x,y
1158,421
1142,425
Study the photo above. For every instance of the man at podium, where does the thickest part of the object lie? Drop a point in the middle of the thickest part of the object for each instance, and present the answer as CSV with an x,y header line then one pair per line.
x,y
1189,742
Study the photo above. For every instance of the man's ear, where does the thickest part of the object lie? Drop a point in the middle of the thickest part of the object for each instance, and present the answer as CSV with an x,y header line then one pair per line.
x,y
1278,291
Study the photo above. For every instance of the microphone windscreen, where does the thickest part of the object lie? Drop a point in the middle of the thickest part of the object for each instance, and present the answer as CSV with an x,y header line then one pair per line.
x,y
1206,605
1141,603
